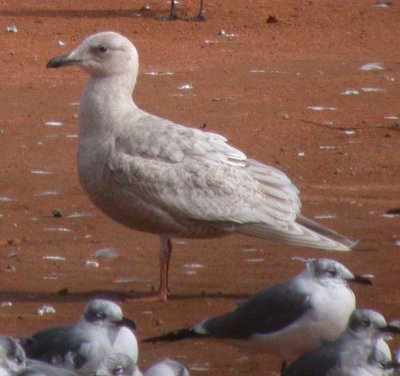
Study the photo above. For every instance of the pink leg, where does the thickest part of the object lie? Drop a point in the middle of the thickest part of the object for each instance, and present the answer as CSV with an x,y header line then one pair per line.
x,y
165,255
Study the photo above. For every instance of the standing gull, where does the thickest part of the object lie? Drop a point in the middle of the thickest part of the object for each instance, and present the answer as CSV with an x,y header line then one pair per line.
x,y
101,331
153,175
357,352
289,318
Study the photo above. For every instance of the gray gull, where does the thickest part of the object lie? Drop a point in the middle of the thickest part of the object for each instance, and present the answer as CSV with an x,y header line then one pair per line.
x,y
101,331
356,352
288,318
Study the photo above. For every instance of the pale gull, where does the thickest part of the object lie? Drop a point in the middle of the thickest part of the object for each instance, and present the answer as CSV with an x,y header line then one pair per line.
x,y
153,175
101,331
357,352
288,318
119,364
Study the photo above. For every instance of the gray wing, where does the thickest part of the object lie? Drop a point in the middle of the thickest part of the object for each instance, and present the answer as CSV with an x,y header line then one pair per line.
x,y
54,343
268,311
318,362
38,367
197,175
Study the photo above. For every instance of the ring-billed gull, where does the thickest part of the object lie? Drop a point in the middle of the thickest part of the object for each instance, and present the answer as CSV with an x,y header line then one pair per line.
x,y
359,346
288,318
101,331
153,175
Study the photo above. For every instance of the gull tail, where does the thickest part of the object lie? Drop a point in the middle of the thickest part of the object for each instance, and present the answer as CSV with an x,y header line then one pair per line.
x,y
303,232
176,335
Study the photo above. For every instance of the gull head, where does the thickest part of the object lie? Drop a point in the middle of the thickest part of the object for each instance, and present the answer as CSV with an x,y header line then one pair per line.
x,y
103,54
167,367
328,271
380,360
105,313
368,323
117,364
12,356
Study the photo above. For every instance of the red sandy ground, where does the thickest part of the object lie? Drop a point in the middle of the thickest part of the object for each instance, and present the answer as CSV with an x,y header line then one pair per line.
x,y
307,58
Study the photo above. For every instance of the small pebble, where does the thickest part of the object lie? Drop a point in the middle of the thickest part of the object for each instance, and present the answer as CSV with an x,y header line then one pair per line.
x,y
350,92
6,304
185,87
105,253
11,29
44,310
92,263
57,213
271,19
63,292
159,322
372,67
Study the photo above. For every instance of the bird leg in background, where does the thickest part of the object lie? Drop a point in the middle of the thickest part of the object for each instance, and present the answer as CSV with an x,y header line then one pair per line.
x,y
283,366
200,16
172,13
165,255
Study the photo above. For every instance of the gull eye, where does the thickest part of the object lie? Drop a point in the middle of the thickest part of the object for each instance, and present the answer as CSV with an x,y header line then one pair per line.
x,y
102,49
365,323
118,370
332,272
101,315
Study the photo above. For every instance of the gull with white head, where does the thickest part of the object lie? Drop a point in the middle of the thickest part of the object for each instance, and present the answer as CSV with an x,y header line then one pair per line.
x,y
12,356
360,351
101,331
153,175
287,319
119,364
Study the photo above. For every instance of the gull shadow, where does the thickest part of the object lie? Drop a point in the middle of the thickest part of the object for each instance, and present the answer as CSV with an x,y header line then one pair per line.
x,y
84,13
64,296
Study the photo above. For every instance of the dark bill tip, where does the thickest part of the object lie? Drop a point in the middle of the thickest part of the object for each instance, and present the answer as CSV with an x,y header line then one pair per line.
x,y
362,279
131,324
392,365
61,61
391,329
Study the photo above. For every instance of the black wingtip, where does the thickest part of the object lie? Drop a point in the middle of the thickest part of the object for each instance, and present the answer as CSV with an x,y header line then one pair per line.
x,y
176,335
